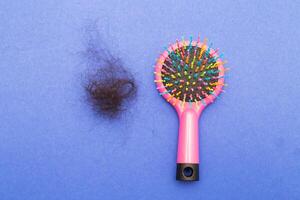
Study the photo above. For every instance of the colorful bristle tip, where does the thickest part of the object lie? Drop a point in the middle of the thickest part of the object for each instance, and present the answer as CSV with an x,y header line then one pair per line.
x,y
191,71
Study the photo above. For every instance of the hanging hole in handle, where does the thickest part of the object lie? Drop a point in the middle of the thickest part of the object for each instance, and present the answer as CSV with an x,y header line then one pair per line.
x,y
188,172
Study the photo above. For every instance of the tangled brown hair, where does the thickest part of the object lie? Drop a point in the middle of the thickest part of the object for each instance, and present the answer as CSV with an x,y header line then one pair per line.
x,y
108,85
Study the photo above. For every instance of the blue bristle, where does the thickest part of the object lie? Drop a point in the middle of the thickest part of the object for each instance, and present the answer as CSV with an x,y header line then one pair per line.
x,y
186,67
190,45
212,60
166,92
199,62
208,50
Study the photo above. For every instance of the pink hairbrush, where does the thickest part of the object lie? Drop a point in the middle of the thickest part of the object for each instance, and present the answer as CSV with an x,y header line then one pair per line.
x,y
189,75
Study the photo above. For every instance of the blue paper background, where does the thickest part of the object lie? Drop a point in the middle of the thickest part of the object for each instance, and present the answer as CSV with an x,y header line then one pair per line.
x,y
52,146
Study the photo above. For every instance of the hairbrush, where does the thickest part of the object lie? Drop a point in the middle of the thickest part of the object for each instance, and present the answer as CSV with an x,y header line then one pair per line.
x,y
189,75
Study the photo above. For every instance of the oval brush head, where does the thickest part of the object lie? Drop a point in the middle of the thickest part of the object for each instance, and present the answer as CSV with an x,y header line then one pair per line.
x,y
189,75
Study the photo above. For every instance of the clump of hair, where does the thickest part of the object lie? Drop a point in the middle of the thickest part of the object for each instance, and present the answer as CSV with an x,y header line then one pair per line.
x,y
109,86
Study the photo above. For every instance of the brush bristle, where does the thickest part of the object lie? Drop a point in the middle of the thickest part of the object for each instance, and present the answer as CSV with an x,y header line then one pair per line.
x,y
190,72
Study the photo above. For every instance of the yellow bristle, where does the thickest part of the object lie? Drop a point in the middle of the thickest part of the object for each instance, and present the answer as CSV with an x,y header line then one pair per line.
x,y
210,66
159,74
208,88
192,65
215,65
203,47
194,58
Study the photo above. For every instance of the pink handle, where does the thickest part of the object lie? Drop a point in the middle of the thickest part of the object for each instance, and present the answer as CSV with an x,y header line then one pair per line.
x,y
188,138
